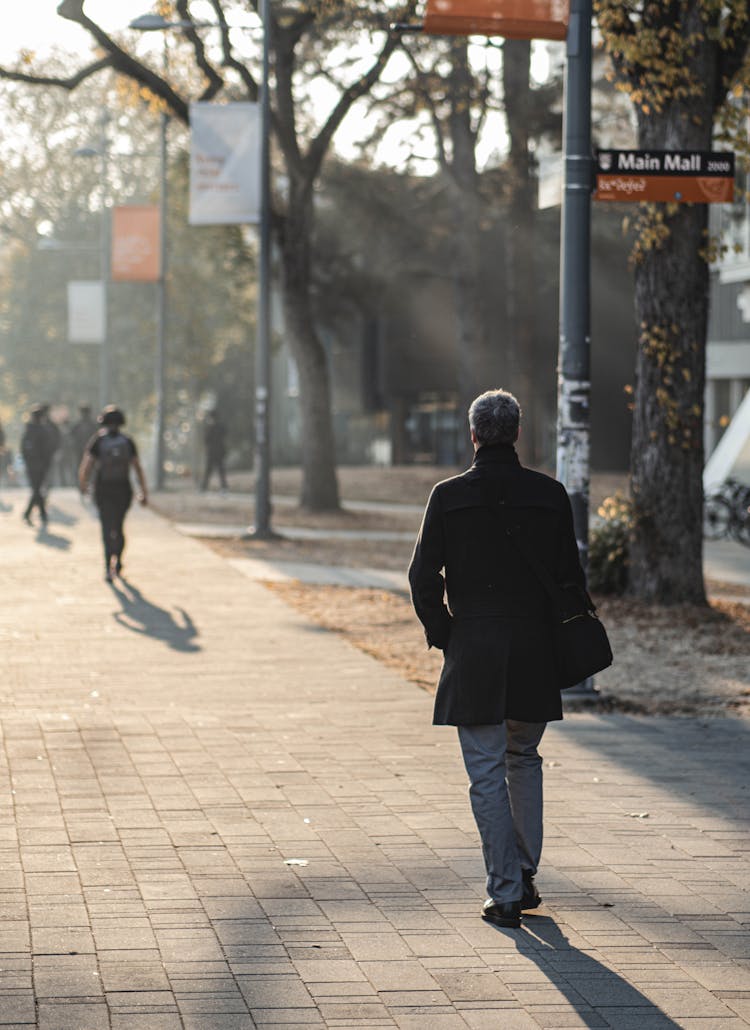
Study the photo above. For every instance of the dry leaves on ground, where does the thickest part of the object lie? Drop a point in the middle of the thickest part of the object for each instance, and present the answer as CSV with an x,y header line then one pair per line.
x,y
683,660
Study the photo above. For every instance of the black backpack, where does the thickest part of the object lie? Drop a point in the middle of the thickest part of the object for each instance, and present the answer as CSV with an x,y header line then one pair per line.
x,y
114,458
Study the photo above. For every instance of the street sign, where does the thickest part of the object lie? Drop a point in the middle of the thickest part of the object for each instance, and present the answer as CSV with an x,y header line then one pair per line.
x,y
514,19
670,176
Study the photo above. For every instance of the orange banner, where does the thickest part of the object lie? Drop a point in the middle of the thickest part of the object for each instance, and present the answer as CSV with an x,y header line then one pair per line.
x,y
135,244
670,189
515,19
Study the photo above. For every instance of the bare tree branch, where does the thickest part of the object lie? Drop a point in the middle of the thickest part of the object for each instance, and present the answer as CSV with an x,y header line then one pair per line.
x,y
228,59
215,81
54,80
426,94
121,61
349,96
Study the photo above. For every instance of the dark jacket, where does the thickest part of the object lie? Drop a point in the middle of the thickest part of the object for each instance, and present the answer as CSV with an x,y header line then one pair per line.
x,y
496,629
36,448
214,437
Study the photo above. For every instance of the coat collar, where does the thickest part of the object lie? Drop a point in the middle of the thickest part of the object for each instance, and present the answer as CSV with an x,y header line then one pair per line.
x,y
495,454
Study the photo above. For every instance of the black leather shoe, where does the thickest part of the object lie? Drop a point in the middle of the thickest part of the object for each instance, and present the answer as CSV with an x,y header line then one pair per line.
x,y
531,898
502,914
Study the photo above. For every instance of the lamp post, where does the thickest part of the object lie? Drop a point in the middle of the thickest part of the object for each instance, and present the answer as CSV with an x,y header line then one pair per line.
x,y
262,528
102,151
151,23
574,358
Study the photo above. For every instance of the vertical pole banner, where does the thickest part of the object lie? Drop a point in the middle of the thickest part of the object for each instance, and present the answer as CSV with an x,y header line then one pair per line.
x,y
224,164
86,311
135,244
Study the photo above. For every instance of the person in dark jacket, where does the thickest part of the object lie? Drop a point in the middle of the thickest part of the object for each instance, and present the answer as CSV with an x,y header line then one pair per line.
x,y
112,454
54,439
214,440
37,452
499,683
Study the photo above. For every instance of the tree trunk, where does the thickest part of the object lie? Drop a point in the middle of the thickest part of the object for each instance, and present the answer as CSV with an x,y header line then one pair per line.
x,y
671,300
474,358
319,483
520,238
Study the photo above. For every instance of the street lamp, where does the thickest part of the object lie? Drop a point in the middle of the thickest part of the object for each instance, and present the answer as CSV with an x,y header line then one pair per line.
x,y
156,23
102,151
262,529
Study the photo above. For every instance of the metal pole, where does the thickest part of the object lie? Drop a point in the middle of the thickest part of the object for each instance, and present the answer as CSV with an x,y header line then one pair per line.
x,y
262,528
161,345
104,357
574,375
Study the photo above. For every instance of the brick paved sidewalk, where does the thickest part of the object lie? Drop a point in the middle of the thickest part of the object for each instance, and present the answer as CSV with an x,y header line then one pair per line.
x,y
216,816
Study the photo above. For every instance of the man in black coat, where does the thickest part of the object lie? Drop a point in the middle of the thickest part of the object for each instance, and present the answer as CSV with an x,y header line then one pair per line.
x,y
499,684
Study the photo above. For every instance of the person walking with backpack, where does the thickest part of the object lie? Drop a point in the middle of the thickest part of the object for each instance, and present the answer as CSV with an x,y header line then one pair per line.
x,y
37,451
109,457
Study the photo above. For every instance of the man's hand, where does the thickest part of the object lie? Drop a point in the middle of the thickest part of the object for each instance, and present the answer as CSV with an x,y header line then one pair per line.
x,y
143,499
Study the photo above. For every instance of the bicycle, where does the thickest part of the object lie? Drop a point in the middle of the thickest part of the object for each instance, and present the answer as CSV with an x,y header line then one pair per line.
x,y
726,512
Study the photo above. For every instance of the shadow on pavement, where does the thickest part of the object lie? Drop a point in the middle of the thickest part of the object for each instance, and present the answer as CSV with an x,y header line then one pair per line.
x,y
592,989
143,616
43,536
704,759
63,517
5,507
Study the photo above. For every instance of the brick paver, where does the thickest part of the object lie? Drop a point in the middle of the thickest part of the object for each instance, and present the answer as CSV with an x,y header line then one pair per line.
x,y
216,816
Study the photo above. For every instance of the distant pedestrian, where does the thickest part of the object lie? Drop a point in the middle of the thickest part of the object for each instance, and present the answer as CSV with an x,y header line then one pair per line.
x,y
82,432
500,683
65,464
215,442
3,453
36,450
54,440
110,457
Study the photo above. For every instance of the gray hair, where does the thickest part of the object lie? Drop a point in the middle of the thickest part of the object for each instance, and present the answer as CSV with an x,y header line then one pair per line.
x,y
495,417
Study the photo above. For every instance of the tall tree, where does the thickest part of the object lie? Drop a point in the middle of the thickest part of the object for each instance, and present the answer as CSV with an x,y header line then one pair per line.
x,y
680,61
459,85
301,38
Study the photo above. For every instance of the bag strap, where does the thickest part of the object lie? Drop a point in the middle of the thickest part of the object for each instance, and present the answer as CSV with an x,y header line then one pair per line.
x,y
555,592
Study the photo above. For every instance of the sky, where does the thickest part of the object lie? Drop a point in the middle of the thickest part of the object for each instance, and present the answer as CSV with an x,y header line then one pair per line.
x,y
35,25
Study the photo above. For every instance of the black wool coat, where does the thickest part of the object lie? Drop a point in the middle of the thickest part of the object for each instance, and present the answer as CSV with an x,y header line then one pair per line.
x,y
496,628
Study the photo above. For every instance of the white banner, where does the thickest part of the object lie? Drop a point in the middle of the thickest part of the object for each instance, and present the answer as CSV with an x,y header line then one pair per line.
x,y
224,164
86,312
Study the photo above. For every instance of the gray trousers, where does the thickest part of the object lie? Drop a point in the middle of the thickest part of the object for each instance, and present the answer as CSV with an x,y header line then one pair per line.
x,y
505,787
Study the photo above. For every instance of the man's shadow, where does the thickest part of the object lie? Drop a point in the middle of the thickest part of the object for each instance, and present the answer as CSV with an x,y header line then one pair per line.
x,y
143,616
44,536
593,990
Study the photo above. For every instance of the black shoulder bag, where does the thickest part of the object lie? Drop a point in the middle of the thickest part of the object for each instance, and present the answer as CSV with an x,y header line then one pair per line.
x,y
581,641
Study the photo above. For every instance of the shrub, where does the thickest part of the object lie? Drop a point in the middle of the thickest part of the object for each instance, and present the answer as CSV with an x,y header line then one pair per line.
x,y
608,546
